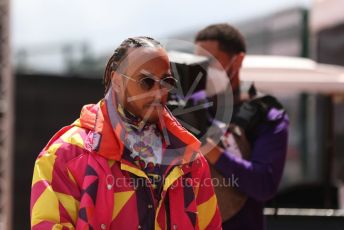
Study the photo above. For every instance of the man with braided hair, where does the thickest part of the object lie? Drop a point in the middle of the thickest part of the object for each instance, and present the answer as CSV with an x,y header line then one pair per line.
x,y
126,163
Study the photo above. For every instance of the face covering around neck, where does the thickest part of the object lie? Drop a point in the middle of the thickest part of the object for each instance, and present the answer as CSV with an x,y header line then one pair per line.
x,y
218,79
144,142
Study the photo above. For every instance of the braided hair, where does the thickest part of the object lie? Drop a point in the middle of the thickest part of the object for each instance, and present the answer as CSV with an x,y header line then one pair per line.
x,y
121,53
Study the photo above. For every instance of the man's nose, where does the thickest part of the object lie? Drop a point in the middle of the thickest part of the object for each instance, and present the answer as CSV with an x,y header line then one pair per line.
x,y
159,91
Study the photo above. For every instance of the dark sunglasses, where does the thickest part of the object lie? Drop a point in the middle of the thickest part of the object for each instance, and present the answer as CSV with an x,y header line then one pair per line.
x,y
147,83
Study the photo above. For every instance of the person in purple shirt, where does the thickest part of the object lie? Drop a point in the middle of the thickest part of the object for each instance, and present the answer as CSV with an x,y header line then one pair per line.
x,y
258,174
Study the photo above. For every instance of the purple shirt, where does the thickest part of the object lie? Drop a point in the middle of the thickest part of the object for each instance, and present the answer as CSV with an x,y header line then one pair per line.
x,y
258,178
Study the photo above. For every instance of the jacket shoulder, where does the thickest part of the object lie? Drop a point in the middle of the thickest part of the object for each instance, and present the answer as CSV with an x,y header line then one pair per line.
x,y
68,142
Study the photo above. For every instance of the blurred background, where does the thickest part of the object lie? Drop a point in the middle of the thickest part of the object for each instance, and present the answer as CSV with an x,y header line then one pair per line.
x,y
52,57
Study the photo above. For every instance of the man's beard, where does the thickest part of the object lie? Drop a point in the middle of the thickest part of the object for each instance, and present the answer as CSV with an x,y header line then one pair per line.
x,y
150,114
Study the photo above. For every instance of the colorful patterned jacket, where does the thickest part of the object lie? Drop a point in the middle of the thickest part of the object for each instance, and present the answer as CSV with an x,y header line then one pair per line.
x,y
81,180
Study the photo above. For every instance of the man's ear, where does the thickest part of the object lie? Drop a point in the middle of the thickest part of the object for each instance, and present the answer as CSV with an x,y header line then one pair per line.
x,y
116,81
240,59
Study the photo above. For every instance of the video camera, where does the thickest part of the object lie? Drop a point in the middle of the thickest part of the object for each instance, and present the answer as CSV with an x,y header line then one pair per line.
x,y
186,103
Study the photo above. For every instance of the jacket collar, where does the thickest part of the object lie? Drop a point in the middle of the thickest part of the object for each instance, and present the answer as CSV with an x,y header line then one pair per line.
x,y
109,132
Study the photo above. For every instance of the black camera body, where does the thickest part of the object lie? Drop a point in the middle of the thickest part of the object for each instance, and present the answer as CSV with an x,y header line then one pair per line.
x,y
191,73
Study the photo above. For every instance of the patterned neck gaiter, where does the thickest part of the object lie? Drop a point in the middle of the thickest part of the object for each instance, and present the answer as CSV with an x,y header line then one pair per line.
x,y
144,140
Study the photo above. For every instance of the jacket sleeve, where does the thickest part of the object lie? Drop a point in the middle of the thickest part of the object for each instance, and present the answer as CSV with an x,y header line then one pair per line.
x,y
54,192
207,208
259,177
